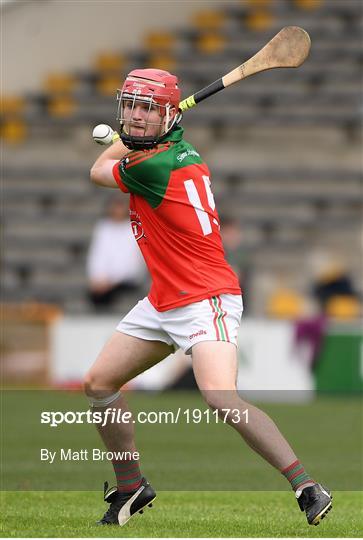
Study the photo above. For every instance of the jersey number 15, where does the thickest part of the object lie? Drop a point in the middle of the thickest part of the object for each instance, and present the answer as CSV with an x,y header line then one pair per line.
x,y
195,201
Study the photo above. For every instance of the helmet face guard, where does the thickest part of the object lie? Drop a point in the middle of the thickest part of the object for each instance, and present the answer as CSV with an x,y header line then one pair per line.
x,y
155,91
128,102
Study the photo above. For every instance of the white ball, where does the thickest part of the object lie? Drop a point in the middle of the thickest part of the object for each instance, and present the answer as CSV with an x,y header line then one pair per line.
x,y
103,134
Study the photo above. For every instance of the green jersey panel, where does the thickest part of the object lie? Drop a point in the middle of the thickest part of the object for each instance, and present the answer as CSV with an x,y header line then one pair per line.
x,y
147,173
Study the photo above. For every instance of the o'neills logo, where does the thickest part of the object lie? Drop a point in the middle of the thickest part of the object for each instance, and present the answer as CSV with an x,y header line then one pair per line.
x,y
200,333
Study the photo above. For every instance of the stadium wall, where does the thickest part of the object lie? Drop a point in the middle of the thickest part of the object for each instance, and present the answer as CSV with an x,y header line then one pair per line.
x,y
276,363
274,368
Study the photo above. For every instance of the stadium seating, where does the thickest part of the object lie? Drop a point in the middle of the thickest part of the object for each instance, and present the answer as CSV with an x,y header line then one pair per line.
x,y
283,148
13,128
285,304
344,308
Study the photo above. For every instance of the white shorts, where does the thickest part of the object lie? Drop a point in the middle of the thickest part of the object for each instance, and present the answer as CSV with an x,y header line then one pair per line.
x,y
214,319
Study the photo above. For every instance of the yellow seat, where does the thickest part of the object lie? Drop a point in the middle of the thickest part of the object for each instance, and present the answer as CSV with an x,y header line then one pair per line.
x,y
159,42
210,43
285,304
343,307
308,4
162,61
257,3
12,105
109,62
62,106
59,83
108,84
14,130
208,19
260,20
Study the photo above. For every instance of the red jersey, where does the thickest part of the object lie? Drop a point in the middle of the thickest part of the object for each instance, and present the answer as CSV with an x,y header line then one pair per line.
x,y
175,223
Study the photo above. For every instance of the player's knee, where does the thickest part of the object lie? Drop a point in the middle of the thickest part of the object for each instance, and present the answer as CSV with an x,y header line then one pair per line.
x,y
90,385
218,399
213,398
96,387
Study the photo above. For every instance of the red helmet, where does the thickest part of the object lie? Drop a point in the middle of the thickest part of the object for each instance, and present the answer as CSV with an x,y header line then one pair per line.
x,y
156,87
155,83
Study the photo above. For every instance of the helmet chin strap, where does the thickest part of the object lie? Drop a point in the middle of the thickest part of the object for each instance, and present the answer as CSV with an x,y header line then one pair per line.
x,y
169,124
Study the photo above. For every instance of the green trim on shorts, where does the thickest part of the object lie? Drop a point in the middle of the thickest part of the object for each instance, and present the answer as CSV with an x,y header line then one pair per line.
x,y
219,318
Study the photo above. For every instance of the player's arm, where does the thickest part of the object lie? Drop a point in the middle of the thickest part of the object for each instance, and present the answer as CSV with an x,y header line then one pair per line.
x,y
101,171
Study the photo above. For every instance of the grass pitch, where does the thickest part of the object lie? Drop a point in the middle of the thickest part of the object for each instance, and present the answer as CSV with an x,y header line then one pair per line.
x,y
326,435
179,514
210,459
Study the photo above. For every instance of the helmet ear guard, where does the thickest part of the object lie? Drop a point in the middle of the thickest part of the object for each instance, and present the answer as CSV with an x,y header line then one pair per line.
x,y
156,88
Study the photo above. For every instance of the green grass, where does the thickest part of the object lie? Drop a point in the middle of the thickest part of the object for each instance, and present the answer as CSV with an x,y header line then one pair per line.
x,y
326,435
226,477
178,514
